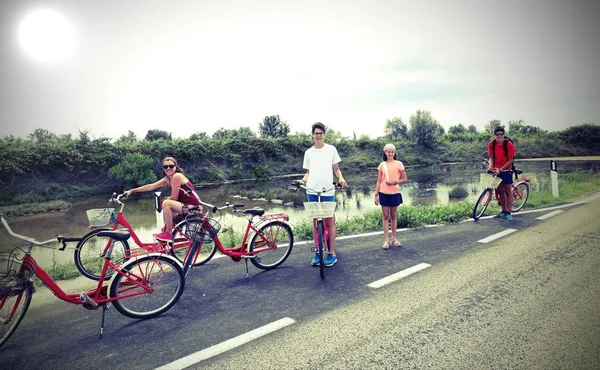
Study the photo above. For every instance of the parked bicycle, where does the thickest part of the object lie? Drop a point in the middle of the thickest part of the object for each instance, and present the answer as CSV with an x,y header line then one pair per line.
x,y
143,287
90,251
520,193
271,237
319,211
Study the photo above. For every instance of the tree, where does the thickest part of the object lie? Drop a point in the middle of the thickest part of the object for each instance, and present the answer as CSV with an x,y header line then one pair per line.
x,y
41,136
472,129
129,138
233,133
198,136
457,130
395,128
519,127
273,126
158,135
490,126
424,129
135,169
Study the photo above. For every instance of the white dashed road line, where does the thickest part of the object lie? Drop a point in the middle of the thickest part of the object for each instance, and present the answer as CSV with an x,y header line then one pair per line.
x,y
217,349
497,236
397,276
548,215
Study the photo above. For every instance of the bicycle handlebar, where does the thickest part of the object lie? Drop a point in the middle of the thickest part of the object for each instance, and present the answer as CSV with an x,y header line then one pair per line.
x,y
61,239
297,184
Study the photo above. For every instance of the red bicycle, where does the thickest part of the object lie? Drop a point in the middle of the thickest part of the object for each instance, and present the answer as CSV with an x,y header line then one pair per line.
x,y
91,249
145,286
267,241
520,193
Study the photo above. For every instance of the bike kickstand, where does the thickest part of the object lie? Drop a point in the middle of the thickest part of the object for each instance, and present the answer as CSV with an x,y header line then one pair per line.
x,y
104,308
247,274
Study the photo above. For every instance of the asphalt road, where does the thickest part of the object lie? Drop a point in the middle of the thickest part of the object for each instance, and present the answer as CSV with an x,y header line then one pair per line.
x,y
526,300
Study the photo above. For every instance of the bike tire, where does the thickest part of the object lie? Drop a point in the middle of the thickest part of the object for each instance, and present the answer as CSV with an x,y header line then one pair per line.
x,y
89,254
482,203
520,194
160,273
7,305
321,246
182,244
276,232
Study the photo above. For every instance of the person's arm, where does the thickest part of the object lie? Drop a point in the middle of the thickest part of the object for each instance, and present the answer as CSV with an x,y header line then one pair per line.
x,y
507,165
377,186
305,178
148,187
403,178
338,173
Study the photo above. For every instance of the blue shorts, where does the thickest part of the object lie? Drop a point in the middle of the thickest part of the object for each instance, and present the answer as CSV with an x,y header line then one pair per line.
x,y
507,177
390,200
324,198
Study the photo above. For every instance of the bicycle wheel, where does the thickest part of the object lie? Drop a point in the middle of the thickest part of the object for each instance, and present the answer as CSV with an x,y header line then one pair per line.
x,y
482,203
12,311
182,243
274,233
151,285
321,246
91,250
520,194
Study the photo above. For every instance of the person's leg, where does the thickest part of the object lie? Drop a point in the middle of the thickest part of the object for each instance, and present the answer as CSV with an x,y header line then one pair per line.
x,y
330,222
394,221
505,191
385,211
170,207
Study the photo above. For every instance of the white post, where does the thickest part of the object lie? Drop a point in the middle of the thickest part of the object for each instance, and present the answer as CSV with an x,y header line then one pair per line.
x,y
554,178
158,208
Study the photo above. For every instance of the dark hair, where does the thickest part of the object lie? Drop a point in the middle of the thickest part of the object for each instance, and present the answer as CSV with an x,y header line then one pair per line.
x,y
498,128
177,168
317,125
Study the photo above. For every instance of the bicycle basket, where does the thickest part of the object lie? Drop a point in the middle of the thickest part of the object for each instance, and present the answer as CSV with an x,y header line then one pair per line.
x,y
99,217
201,230
13,278
489,181
320,210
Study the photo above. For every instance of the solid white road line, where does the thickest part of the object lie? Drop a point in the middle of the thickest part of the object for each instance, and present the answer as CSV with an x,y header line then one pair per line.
x,y
397,276
497,236
548,215
217,349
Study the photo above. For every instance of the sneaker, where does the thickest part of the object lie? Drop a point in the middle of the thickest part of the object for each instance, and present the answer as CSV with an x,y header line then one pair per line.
x,y
315,260
507,217
164,236
330,260
500,215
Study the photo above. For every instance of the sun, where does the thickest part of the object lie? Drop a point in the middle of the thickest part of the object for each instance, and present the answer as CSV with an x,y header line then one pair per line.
x,y
46,35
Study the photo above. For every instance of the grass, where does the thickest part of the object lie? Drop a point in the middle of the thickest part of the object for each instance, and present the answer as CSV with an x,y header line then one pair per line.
x,y
31,208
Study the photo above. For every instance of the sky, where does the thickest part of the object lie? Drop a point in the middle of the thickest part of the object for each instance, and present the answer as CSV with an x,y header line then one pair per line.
x,y
112,66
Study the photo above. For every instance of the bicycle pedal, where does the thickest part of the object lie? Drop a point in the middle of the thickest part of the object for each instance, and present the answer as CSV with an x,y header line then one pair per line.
x,y
314,249
250,257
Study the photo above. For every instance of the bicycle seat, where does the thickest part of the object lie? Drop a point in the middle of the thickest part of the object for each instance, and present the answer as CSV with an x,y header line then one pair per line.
x,y
116,235
255,211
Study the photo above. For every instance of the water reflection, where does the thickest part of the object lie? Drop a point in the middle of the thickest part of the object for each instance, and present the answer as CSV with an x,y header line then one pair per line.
x,y
427,186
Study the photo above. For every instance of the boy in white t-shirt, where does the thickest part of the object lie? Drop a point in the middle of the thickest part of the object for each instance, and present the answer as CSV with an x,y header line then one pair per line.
x,y
320,162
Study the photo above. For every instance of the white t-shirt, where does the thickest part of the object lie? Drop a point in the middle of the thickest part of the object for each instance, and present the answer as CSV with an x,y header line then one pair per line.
x,y
319,164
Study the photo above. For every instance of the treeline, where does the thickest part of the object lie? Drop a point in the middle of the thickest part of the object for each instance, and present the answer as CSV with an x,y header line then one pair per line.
x,y
46,166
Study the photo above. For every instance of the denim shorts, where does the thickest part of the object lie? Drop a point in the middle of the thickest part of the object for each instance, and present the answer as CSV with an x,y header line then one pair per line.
x,y
324,198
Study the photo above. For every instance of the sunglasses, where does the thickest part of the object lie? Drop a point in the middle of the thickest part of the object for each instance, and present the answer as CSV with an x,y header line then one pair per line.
x,y
171,166
499,134
318,133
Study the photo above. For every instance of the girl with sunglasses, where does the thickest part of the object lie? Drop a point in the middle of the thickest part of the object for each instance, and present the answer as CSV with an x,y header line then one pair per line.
x,y
182,194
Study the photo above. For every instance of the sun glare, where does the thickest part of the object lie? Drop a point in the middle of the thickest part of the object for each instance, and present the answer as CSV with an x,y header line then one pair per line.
x,y
46,36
